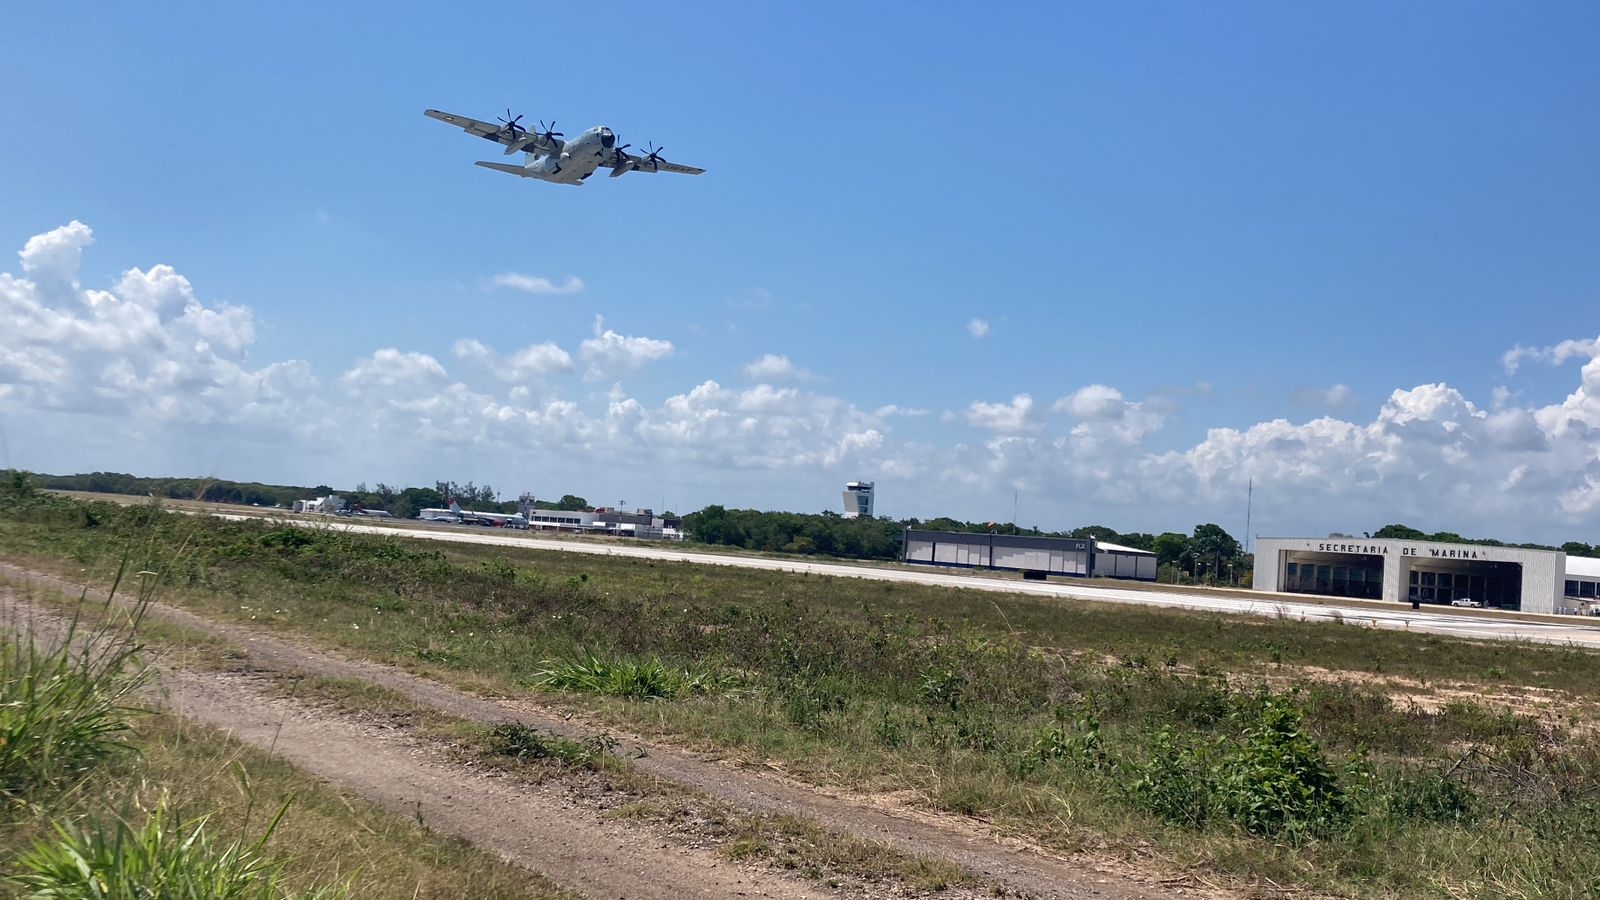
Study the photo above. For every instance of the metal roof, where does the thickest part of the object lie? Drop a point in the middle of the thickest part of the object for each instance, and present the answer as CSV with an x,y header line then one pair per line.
x,y
1118,548
1587,566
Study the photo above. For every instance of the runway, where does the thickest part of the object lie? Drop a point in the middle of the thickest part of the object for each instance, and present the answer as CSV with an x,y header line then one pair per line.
x,y
1483,626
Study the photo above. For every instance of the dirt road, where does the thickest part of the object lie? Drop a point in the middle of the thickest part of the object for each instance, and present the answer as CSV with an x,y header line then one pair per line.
x,y
548,832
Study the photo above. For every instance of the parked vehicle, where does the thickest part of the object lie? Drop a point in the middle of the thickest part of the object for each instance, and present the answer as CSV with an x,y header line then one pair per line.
x,y
1466,601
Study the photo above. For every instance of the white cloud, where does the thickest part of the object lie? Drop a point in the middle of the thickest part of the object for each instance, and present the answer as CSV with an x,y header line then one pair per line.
x,y
1005,418
771,367
978,328
883,412
532,361
147,349
610,354
1556,355
534,284
1094,402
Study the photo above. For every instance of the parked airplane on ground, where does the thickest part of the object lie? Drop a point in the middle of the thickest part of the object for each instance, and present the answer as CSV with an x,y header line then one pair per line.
x,y
550,158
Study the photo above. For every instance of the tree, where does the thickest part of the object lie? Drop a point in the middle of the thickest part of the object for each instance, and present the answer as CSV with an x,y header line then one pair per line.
x,y
1098,532
414,500
1400,532
1211,542
573,503
1170,548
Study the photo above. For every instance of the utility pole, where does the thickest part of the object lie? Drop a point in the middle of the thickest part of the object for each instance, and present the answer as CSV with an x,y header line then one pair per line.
x,y
1249,497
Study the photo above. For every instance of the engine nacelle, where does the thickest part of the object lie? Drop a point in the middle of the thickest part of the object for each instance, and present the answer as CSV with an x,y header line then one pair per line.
x,y
542,165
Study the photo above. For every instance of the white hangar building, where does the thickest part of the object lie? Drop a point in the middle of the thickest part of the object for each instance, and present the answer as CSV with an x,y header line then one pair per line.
x,y
1034,556
1537,581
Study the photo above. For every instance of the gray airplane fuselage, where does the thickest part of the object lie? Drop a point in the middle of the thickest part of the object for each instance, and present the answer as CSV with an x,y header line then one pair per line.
x,y
576,160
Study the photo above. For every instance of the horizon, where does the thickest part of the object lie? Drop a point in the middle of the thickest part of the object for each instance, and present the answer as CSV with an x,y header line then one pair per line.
x,y
1118,265
1365,534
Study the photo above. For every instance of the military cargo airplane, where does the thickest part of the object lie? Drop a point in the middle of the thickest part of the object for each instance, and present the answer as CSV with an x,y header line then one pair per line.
x,y
550,158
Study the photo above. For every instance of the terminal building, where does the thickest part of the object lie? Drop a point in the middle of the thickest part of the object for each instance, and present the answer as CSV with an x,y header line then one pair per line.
x,y
1537,581
1033,556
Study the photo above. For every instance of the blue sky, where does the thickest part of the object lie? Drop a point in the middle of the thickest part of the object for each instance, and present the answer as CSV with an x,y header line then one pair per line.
x,y
1189,218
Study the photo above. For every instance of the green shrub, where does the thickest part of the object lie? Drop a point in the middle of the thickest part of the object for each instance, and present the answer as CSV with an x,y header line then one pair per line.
x,y
1176,781
1432,797
526,743
160,859
64,706
649,679
1275,780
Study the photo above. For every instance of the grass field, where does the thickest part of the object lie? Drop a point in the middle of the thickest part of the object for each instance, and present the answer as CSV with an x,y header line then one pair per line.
x,y
1328,758
102,796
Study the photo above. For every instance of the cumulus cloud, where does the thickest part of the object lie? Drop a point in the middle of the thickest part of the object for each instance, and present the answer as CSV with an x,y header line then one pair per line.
x,y
1094,402
771,367
1555,355
534,284
532,361
1006,418
610,354
978,328
891,409
148,348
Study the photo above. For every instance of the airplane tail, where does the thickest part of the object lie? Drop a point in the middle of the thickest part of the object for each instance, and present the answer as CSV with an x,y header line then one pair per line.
x,y
454,507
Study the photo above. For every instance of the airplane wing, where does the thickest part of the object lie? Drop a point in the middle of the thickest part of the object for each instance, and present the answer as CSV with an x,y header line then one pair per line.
x,y
490,131
640,164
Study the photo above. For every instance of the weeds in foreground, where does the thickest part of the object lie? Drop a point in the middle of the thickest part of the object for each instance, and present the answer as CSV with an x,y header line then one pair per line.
x,y
65,705
526,743
164,857
647,679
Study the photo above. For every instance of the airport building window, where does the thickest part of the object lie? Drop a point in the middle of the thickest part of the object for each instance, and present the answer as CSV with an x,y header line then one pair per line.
x,y
1572,588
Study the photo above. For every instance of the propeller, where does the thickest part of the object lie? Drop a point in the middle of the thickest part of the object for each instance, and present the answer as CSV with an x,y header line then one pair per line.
x,y
549,134
511,127
654,157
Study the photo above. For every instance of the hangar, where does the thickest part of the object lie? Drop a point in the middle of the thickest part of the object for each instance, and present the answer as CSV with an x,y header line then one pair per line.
x,y
1080,557
1424,571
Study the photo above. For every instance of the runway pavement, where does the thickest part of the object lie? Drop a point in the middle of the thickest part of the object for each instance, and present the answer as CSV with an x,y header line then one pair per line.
x,y
1492,626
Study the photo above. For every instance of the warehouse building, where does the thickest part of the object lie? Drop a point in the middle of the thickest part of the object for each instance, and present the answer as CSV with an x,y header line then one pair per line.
x,y
1428,572
1581,590
1034,556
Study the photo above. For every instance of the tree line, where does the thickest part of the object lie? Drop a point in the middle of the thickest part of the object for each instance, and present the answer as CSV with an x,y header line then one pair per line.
x,y
1208,553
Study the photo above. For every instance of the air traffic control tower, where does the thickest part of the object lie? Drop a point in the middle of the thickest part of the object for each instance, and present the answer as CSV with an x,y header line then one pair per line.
x,y
857,499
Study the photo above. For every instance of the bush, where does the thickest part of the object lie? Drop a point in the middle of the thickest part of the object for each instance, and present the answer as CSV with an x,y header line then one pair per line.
x,y
527,743
641,679
63,707
1276,780
157,859
1270,777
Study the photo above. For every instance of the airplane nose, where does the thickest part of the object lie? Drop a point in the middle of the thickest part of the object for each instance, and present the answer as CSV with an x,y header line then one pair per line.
x,y
607,139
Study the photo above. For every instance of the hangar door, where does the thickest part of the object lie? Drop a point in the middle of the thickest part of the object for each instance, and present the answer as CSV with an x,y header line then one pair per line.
x,y
1493,584
1333,574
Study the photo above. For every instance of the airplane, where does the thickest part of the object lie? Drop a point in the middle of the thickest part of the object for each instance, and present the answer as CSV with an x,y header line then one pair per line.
x,y
550,158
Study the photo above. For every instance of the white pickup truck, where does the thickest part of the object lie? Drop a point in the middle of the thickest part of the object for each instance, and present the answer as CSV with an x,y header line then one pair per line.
x,y
1467,601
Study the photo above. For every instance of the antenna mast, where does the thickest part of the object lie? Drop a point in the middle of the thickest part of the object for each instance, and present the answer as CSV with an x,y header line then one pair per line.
x,y
1249,498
